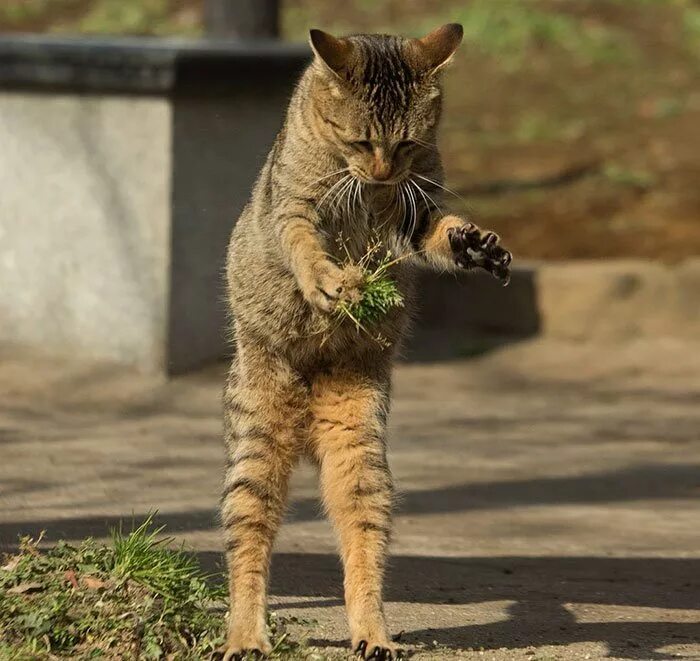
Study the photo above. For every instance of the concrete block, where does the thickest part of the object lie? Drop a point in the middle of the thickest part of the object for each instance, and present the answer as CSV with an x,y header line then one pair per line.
x,y
619,300
124,164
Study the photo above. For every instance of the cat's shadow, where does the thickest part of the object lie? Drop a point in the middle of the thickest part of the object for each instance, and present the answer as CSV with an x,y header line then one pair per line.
x,y
539,591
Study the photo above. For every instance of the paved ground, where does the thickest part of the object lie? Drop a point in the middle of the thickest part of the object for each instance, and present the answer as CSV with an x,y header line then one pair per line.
x,y
550,494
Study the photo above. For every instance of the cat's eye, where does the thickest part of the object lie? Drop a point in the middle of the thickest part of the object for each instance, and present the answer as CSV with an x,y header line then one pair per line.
x,y
405,144
362,145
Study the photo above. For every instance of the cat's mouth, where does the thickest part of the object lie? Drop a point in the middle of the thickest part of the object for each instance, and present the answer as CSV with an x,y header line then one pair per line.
x,y
392,180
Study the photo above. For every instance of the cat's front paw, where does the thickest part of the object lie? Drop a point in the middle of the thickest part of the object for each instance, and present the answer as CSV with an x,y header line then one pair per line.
x,y
473,247
332,284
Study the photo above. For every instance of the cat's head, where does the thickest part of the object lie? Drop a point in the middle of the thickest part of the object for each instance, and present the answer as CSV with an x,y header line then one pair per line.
x,y
377,98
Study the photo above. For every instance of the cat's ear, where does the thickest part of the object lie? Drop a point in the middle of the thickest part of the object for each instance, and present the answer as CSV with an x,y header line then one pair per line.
x,y
333,52
435,50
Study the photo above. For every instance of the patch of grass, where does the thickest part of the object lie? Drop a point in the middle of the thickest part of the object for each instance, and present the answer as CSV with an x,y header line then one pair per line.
x,y
510,29
139,598
666,107
533,126
158,17
623,176
16,13
135,17
691,28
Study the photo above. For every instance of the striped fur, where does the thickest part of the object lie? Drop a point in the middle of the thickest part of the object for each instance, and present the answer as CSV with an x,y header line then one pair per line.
x,y
302,384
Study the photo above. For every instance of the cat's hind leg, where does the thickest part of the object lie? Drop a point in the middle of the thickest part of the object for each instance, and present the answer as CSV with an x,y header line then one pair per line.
x,y
347,432
263,407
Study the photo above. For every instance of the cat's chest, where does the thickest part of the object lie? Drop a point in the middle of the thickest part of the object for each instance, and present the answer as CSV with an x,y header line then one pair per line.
x,y
372,226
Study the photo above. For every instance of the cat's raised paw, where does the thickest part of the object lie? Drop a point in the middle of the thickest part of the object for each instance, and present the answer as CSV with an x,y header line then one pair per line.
x,y
475,248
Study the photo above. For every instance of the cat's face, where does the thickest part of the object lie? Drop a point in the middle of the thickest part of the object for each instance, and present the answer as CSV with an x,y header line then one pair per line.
x,y
378,99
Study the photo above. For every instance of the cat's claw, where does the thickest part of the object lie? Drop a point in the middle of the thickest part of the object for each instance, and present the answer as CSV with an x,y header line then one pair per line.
x,y
474,248
376,653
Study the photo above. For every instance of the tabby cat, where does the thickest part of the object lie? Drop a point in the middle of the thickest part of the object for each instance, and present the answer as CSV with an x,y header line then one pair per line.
x,y
355,164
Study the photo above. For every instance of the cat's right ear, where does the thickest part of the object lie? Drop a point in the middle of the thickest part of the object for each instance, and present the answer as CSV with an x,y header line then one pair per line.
x,y
334,53
435,50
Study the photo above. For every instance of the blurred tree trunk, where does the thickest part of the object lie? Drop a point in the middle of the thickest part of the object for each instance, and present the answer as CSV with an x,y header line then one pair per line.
x,y
242,19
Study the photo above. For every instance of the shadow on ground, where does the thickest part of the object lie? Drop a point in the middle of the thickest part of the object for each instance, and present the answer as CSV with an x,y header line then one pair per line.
x,y
641,482
539,589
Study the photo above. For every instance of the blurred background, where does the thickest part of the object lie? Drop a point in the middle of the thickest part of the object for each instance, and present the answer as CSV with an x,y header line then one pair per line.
x,y
571,125
545,437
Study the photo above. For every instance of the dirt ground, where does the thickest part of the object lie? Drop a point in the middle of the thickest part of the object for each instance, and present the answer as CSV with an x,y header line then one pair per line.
x,y
572,128
550,494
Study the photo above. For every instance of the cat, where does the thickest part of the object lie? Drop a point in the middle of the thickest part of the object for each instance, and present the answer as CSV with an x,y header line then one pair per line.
x,y
355,164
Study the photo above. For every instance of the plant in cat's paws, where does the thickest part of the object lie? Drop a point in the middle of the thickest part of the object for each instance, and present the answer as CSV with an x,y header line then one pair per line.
x,y
379,293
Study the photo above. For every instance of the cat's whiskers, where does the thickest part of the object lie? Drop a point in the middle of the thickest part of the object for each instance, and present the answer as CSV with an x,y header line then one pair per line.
x,y
405,209
414,211
358,196
345,195
435,183
427,145
327,176
391,204
332,189
404,205
349,198
338,199
425,195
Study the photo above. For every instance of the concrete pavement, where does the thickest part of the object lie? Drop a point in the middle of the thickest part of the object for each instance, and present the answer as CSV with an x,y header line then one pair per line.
x,y
550,493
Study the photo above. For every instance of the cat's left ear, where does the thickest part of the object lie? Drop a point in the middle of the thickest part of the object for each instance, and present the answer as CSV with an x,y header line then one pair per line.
x,y
435,50
333,52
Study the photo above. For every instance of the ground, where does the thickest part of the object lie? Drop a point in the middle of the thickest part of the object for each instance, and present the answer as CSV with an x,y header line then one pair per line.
x,y
549,504
570,127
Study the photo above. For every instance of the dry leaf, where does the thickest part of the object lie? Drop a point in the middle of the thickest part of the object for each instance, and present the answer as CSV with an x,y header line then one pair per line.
x,y
12,563
93,583
70,577
24,588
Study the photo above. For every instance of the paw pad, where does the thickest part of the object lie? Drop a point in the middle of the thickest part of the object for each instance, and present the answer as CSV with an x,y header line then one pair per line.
x,y
473,248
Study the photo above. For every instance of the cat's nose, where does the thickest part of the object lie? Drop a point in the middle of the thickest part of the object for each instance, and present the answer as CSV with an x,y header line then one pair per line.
x,y
381,170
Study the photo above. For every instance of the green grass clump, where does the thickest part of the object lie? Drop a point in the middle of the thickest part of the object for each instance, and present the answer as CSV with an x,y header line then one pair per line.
x,y
380,293
139,598
510,29
159,17
626,177
16,13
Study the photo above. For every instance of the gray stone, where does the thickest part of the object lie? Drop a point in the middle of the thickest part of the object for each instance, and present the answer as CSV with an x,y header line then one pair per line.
x,y
124,165
85,224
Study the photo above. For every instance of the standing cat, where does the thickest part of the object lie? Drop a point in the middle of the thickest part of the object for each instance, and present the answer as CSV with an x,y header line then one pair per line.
x,y
355,163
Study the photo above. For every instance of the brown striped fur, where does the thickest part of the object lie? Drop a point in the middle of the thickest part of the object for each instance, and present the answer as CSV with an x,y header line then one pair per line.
x,y
302,384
